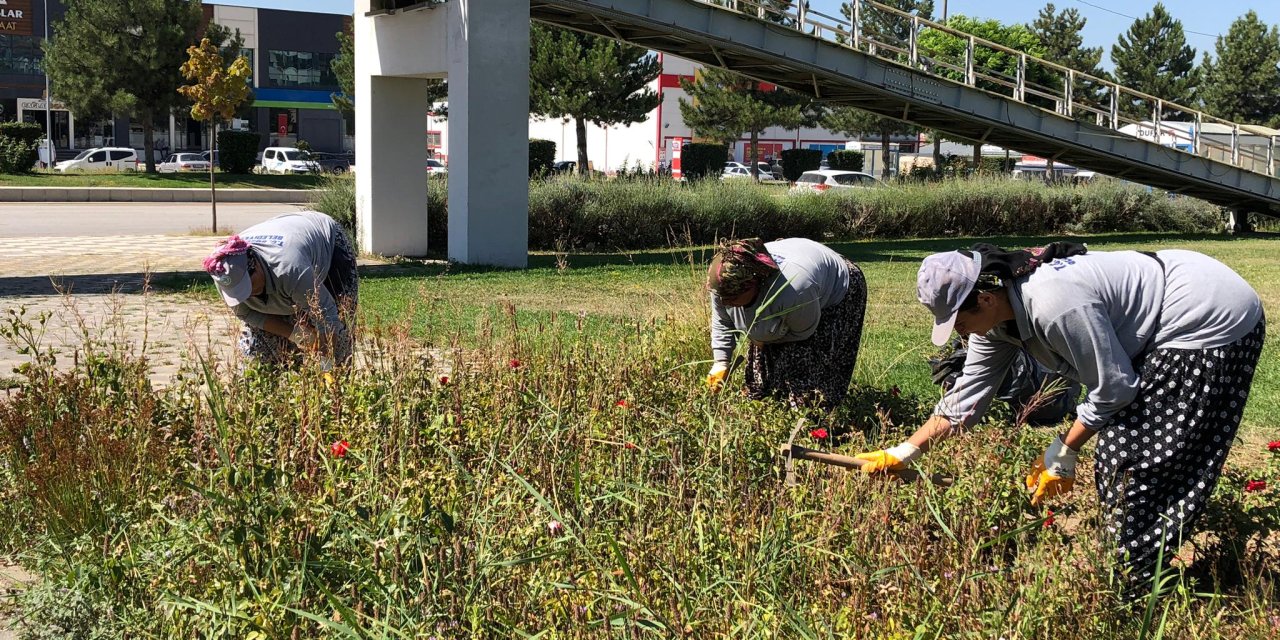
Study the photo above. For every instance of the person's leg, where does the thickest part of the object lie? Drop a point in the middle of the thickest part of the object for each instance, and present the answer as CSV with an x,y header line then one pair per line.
x,y
1158,460
343,284
816,371
266,347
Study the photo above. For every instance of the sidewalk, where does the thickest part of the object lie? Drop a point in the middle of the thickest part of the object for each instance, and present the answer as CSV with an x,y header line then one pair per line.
x,y
94,286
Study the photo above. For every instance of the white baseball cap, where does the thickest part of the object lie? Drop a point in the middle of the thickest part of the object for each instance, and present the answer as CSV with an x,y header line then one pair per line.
x,y
944,281
234,282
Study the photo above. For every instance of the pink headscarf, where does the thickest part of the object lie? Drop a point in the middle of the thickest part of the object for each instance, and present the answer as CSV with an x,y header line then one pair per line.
x,y
233,246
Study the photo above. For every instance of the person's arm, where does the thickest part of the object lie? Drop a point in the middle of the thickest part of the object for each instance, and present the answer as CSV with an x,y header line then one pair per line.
x,y
321,312
724,337
986,364
1085,337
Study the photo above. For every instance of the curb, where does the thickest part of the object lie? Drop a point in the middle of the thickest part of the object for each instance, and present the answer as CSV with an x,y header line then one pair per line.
x,y
125,194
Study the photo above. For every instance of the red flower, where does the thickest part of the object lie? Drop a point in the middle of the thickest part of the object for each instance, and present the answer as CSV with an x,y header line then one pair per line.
x,y
1255,485
629,445
895,391
444,380
515,364
1048,521
819,433
339,449
1274,445
623,404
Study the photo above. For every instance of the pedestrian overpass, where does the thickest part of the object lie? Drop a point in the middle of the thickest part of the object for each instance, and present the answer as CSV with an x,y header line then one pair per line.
x,y
878,59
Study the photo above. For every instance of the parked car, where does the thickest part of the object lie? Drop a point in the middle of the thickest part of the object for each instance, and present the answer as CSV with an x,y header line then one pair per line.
x,y
564,166
101,159
734,165
204,155
731,173
435,167
183,162
287,160
824,179
335,163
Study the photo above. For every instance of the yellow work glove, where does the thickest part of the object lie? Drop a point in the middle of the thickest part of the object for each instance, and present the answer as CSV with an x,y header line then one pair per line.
x,y
891,459
1052,475
715,379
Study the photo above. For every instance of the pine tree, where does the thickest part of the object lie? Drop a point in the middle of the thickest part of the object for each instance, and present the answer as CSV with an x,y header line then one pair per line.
x,y
879,27
1061,41
1153,57
122,57
725,104
852,122
587,78
1243,83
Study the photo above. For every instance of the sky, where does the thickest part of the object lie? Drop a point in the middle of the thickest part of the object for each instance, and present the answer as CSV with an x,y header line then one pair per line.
x,y
1202,20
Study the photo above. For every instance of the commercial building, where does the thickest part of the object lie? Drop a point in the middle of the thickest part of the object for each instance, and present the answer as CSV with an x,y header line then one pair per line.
x,y
290,52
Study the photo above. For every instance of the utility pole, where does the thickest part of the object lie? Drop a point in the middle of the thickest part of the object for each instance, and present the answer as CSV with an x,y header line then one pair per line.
x,y
944,10
48,100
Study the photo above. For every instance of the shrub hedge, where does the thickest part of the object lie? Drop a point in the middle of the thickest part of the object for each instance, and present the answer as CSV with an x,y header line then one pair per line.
x,y
238,152
700,160
603,215
19,146
542,156
847,160
798,161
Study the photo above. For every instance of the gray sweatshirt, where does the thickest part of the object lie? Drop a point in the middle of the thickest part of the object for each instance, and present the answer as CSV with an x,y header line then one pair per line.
x,y
788,307
1088,317
296,249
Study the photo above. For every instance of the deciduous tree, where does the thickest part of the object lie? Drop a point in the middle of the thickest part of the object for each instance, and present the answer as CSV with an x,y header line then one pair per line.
x,y
122,57
215,92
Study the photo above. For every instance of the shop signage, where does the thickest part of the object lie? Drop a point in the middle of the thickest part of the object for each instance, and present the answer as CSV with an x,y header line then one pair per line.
x,y
15,17
37,104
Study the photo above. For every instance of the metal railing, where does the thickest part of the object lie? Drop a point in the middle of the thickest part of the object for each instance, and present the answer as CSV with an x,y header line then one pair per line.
x,y
946,53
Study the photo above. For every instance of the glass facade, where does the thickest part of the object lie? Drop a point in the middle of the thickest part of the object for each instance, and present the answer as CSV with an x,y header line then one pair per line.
x,y
303,69
21,55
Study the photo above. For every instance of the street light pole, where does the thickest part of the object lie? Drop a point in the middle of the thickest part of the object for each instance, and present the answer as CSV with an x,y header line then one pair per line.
x,y
48,99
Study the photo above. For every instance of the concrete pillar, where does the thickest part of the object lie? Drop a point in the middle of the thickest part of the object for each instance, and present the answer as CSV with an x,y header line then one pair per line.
x,y
391,164
488,133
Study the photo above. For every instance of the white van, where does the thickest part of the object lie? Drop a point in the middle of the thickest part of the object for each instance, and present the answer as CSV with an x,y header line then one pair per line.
x,y
101,159
288,160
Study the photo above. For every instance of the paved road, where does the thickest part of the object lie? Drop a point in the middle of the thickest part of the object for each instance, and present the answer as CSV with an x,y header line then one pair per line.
x,y
80,219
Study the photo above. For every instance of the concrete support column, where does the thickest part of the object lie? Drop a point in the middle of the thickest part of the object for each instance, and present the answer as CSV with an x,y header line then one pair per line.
x,y
488,133
391,164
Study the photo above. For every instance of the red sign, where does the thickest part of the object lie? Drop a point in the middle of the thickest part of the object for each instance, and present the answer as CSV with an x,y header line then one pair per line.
x,y
676,144
282,124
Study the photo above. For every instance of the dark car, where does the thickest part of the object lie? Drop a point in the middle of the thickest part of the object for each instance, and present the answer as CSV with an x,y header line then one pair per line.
x,y
564,166
335,163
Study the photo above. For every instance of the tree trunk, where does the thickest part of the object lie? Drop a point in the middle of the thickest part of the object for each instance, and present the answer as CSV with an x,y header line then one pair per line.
x,y
885,174
977,157
213,154
937,154
148,142
755,155
580,127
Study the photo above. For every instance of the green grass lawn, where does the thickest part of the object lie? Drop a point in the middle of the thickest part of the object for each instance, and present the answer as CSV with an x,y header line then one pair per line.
x,y
615,296
137,180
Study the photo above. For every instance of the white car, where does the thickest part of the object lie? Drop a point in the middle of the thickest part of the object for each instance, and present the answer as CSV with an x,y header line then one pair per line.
x,y
435,167
288,160
183,162
735,172
101,159
825,179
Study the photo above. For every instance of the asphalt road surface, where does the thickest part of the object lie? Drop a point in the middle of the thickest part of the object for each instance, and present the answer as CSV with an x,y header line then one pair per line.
x,y
78,219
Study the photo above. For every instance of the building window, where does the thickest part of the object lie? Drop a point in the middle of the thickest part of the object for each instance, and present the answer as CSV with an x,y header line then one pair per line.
x,y
304,69
433,139
21,55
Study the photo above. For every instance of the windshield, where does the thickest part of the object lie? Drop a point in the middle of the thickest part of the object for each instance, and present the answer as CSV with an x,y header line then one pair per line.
x,y
296,155
84,154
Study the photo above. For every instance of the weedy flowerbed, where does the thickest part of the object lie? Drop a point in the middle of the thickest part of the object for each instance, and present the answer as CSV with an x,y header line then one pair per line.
x,y
549,483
